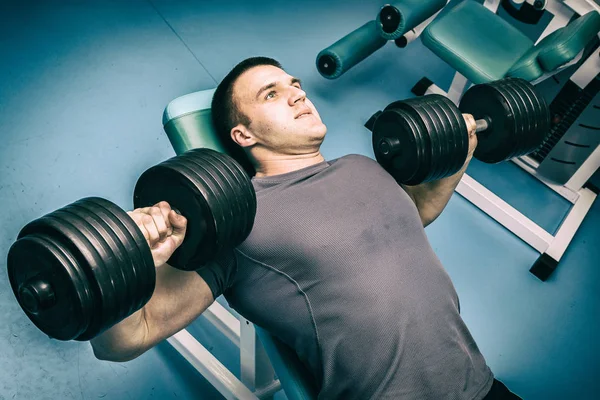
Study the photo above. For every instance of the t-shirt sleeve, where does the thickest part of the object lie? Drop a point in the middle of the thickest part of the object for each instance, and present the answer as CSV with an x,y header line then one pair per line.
x,y
220,273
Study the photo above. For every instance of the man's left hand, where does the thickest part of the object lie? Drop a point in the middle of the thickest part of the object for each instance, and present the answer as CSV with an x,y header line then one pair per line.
x,y
471,127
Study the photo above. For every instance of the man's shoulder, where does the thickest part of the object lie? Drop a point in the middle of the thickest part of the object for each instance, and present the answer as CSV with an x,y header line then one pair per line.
x,y
356,158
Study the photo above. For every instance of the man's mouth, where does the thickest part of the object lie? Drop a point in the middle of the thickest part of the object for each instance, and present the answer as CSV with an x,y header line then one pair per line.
x,y
303,114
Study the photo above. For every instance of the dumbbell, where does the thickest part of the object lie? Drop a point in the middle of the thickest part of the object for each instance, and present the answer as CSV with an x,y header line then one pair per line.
x,y
83,268
425,138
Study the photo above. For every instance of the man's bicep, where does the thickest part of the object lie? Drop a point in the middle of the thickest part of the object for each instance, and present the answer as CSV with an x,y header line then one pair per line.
x,y
178,299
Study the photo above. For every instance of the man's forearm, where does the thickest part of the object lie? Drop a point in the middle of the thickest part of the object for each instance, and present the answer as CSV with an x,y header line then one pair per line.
x,y
120,342
432,197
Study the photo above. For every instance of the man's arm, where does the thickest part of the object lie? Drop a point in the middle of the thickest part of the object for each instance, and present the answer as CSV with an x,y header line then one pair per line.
x,y
178,299
432,197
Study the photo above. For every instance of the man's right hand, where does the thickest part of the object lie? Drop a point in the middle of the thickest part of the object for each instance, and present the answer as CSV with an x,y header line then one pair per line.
x,y
163,229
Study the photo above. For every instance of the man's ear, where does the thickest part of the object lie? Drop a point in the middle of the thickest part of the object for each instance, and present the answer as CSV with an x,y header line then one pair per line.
x,y
242,136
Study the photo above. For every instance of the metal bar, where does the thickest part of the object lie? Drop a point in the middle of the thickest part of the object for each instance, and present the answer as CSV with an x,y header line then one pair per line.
x,y
530,165
585,171
211,369
482,125
457,87
435,89
224,321
571,223
268,391
582,7
504,213
588,70
492,5
256,369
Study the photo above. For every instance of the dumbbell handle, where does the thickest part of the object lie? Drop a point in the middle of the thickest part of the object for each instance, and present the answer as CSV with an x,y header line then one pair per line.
x,y
390,146
482,124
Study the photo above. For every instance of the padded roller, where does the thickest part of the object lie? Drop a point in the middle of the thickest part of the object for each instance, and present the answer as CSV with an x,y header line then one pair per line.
x,y
344,54
395,19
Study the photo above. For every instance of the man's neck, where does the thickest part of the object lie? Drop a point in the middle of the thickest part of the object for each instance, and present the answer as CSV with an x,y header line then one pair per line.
x,y
278,165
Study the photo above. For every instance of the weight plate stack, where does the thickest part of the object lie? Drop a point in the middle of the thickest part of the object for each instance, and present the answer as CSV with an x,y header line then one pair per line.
x,y
400,147
131,250
242,191
521,119
420,108
455,128
71,275
540,115
50,286
487,101
214,194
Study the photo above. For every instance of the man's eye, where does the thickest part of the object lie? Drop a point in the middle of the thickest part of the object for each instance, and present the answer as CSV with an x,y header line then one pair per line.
x,y
268,96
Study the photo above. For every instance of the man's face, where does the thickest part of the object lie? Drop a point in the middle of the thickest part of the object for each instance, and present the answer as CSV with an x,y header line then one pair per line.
x,y
282,119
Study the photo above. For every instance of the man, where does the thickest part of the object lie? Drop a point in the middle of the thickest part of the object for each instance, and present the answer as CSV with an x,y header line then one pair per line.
x,y
337,265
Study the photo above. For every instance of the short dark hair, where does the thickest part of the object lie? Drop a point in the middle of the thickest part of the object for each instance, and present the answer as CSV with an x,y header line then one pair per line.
x,y
226,113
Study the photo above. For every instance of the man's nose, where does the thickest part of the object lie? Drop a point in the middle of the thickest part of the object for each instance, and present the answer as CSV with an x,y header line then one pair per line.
x,y
296,96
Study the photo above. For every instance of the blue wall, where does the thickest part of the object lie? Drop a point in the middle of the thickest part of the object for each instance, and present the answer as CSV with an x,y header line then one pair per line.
x,y
82,88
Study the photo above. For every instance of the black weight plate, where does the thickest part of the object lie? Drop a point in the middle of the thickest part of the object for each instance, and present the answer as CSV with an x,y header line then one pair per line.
x,y
218,202
486,101
458,126
393,123
421,107
109,284
449,137
423,143
118,266
541,116
544,127
532,113
209,245
534,110
125,250
37,256
521,121
507,152
445,138
245,189
71,238
234,205
422,120
168,182
455,123
528,117
137,246
241,193
240,174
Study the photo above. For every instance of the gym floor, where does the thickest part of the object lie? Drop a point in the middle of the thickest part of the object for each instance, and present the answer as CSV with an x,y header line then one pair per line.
x,y
82,88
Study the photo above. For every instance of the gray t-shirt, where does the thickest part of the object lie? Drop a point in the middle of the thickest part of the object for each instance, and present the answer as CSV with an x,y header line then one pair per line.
x,y
339,268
